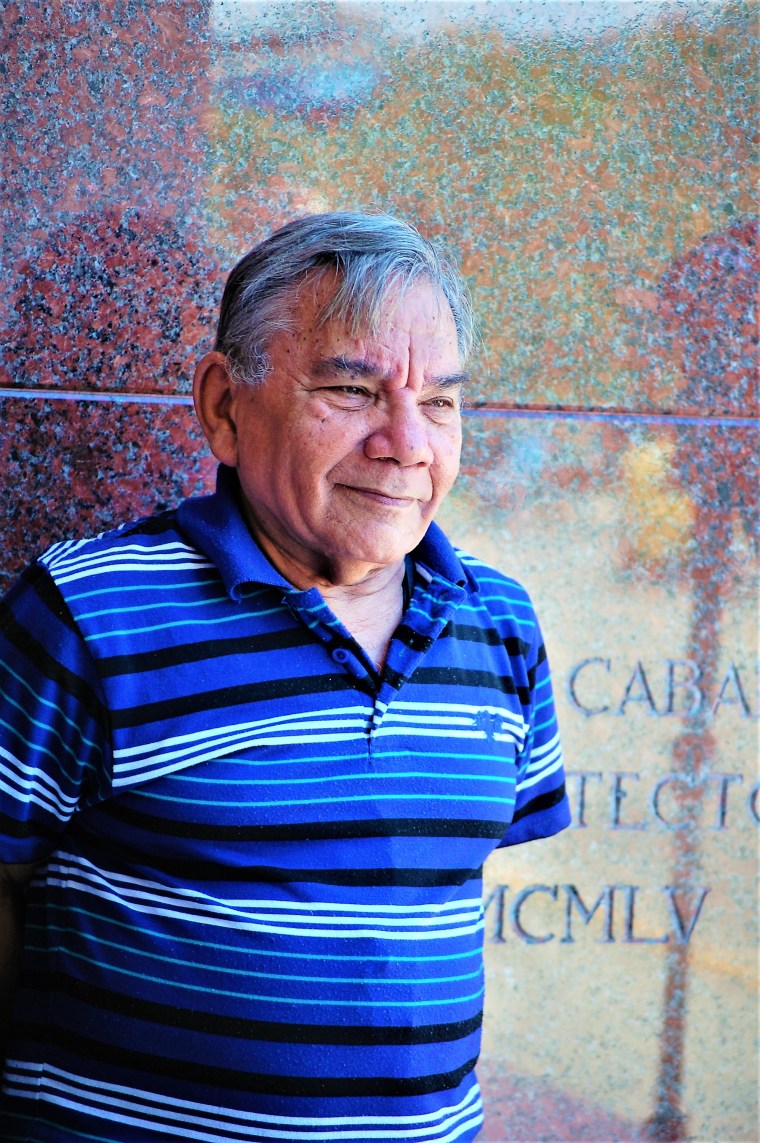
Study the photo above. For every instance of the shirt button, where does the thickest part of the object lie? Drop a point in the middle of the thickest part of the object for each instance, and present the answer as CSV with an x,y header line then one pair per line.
x,y
340,655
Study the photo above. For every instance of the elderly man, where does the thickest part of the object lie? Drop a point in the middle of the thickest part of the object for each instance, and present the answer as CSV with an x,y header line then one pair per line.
x,y
255,751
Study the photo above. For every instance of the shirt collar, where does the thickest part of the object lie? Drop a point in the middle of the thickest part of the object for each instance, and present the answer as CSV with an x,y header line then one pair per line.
x,y
215,524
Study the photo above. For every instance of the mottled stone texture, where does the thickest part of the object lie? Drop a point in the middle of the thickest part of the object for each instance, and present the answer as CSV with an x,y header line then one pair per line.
x,y
110,282
590,166
77,468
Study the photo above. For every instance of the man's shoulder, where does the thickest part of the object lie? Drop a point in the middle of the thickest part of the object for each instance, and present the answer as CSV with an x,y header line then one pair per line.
x,y
148,530
152,544
489,581
440,555
500,603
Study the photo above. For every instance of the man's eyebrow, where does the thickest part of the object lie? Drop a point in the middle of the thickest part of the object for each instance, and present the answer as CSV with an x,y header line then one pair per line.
x,y
360,367
449,380
325,366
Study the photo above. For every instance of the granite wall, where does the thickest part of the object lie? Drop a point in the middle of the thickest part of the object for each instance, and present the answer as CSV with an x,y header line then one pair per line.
x,y
590,166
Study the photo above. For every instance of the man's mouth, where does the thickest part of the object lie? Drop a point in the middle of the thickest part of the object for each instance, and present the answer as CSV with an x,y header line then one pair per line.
x,y
380,496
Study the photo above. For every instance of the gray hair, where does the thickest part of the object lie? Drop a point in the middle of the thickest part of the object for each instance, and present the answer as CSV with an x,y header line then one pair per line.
x,y
373,255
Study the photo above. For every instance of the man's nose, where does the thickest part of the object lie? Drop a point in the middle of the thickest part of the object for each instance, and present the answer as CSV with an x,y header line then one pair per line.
x,y
403,434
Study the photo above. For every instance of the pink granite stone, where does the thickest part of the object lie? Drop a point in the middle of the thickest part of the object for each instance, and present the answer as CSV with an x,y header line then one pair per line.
x,y
74,469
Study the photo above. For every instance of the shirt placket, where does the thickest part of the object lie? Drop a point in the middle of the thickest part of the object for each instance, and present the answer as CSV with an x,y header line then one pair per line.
x,y
431,608
432,605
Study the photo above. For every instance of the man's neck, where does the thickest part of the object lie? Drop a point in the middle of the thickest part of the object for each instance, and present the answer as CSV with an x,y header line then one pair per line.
x,y
370,610
368,600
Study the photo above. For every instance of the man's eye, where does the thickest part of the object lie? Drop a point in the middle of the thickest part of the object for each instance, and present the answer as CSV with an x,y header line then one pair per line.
x,y
347,393
442,403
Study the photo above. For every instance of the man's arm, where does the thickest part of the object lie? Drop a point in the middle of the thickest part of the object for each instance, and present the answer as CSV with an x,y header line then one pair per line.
x,y
13,883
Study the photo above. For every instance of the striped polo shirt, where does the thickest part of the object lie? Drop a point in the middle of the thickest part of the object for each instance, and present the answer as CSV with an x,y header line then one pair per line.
x,y
258,914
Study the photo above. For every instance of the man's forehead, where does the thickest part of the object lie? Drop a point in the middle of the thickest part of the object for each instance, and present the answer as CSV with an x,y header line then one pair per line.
x,y
317,306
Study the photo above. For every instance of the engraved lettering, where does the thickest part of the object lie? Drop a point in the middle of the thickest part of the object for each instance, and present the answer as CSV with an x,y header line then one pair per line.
x,y
732,679
683,927
617,797
637,690
571,682
515,913
579,811
724,781
573,900
688,684
630,938
497,894
685,692
654,800
685,907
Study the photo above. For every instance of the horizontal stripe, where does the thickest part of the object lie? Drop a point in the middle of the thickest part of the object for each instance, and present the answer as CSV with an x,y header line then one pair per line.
x,y
287,761
147,769
42,832
222,1133
540,752
551,768
364,1127
130,566
263,953
218,698
293,1087
93,554
311,920
313,729
39,703
279,729
165,605
188,583
209,1023
399,795
469,679
49,729
125,555
31,651
267,783
541,803
96,637
332,716
172,984
250,973
246,920
228,920
202,651
197,869
309,830
451,732
34,793
215,747
27,778
145,887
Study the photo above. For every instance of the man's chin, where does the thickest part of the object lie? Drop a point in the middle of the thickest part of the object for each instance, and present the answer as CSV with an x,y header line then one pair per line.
x,y
352,564
392,552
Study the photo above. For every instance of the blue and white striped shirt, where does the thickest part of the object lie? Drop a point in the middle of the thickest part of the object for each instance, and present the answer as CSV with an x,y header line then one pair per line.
x,y
258,914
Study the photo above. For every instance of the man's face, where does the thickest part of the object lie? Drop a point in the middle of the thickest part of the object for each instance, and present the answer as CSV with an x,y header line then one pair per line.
x,y
346,450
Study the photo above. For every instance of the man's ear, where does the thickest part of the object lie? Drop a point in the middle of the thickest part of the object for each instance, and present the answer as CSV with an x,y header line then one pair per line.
x,y
214,400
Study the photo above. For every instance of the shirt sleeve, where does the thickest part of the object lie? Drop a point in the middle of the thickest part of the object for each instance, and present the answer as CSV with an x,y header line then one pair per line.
x,y
541,805
55,753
